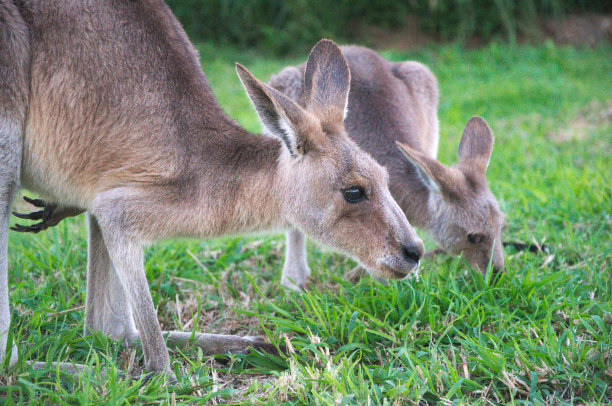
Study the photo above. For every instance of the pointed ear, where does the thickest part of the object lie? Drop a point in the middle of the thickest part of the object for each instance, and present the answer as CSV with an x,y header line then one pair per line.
x,y
327,78
281,117
476,145
437,177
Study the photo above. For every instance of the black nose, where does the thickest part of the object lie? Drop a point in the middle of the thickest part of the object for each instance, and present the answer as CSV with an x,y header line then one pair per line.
x,y
412,253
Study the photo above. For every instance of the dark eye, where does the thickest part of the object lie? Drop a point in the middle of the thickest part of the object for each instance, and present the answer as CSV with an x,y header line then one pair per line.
x,y
475,238
353,194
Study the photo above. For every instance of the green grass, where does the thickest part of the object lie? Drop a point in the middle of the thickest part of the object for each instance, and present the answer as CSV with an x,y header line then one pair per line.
x,y
539,334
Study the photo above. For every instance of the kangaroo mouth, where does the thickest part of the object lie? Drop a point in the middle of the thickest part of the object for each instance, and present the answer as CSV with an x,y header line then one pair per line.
x,y
394,275
399,275
392,267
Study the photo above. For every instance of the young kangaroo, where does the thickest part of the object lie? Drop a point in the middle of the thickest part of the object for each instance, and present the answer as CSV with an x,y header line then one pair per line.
x,y
105,108
392,114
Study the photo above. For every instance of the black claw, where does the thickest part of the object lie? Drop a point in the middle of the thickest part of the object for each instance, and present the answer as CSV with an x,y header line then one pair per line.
x,y
35,215
35,202
44,215
34,228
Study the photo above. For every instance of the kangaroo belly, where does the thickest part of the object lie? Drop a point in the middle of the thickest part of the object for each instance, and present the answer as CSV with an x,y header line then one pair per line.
x,y
48,172
102,111
71,158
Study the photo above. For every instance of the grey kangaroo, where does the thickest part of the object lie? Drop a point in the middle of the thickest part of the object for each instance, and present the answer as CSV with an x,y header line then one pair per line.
x,y
104,108
392,114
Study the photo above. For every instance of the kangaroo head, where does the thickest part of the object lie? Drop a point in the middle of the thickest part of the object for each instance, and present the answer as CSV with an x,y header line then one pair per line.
x,y
335,192
464,215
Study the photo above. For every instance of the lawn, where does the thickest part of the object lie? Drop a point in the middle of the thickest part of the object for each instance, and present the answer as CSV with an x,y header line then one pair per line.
x,y
540,333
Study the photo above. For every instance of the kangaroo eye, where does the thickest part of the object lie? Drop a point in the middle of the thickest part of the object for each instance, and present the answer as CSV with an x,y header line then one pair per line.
x,y
353,194
475,238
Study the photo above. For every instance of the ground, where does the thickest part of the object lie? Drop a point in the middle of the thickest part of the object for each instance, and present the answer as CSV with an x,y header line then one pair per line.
x,y
540,333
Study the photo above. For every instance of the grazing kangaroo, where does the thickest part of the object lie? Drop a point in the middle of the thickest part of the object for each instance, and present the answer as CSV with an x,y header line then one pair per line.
x,y
105,108
392,114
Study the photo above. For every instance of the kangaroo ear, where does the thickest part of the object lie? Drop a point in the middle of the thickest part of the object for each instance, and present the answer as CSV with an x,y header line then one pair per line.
x,y
437,177
476,145
281,117
327,78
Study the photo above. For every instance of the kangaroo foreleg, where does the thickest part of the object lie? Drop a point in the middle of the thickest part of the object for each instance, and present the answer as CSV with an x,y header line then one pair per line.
x,y
295,270
107,306
51,214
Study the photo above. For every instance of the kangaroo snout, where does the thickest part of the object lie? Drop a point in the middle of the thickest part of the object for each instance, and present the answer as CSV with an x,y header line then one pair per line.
x,y
403,262
413,252
404,248
409,257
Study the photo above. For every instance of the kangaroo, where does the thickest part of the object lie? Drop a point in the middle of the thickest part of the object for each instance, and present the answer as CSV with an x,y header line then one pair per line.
x,y
105,109
392,114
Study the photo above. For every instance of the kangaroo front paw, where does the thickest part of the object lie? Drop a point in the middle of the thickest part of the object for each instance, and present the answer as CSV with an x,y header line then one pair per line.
x,y
46,215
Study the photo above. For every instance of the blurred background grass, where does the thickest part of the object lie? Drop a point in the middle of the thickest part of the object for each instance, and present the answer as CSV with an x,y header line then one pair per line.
x,y
292,27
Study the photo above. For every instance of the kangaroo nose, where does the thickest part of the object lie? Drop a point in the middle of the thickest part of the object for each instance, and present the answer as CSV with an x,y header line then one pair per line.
x,y
413,252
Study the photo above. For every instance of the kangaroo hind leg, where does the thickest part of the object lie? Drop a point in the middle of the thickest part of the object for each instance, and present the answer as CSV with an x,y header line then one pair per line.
x,y
14,54
14,77
10,154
